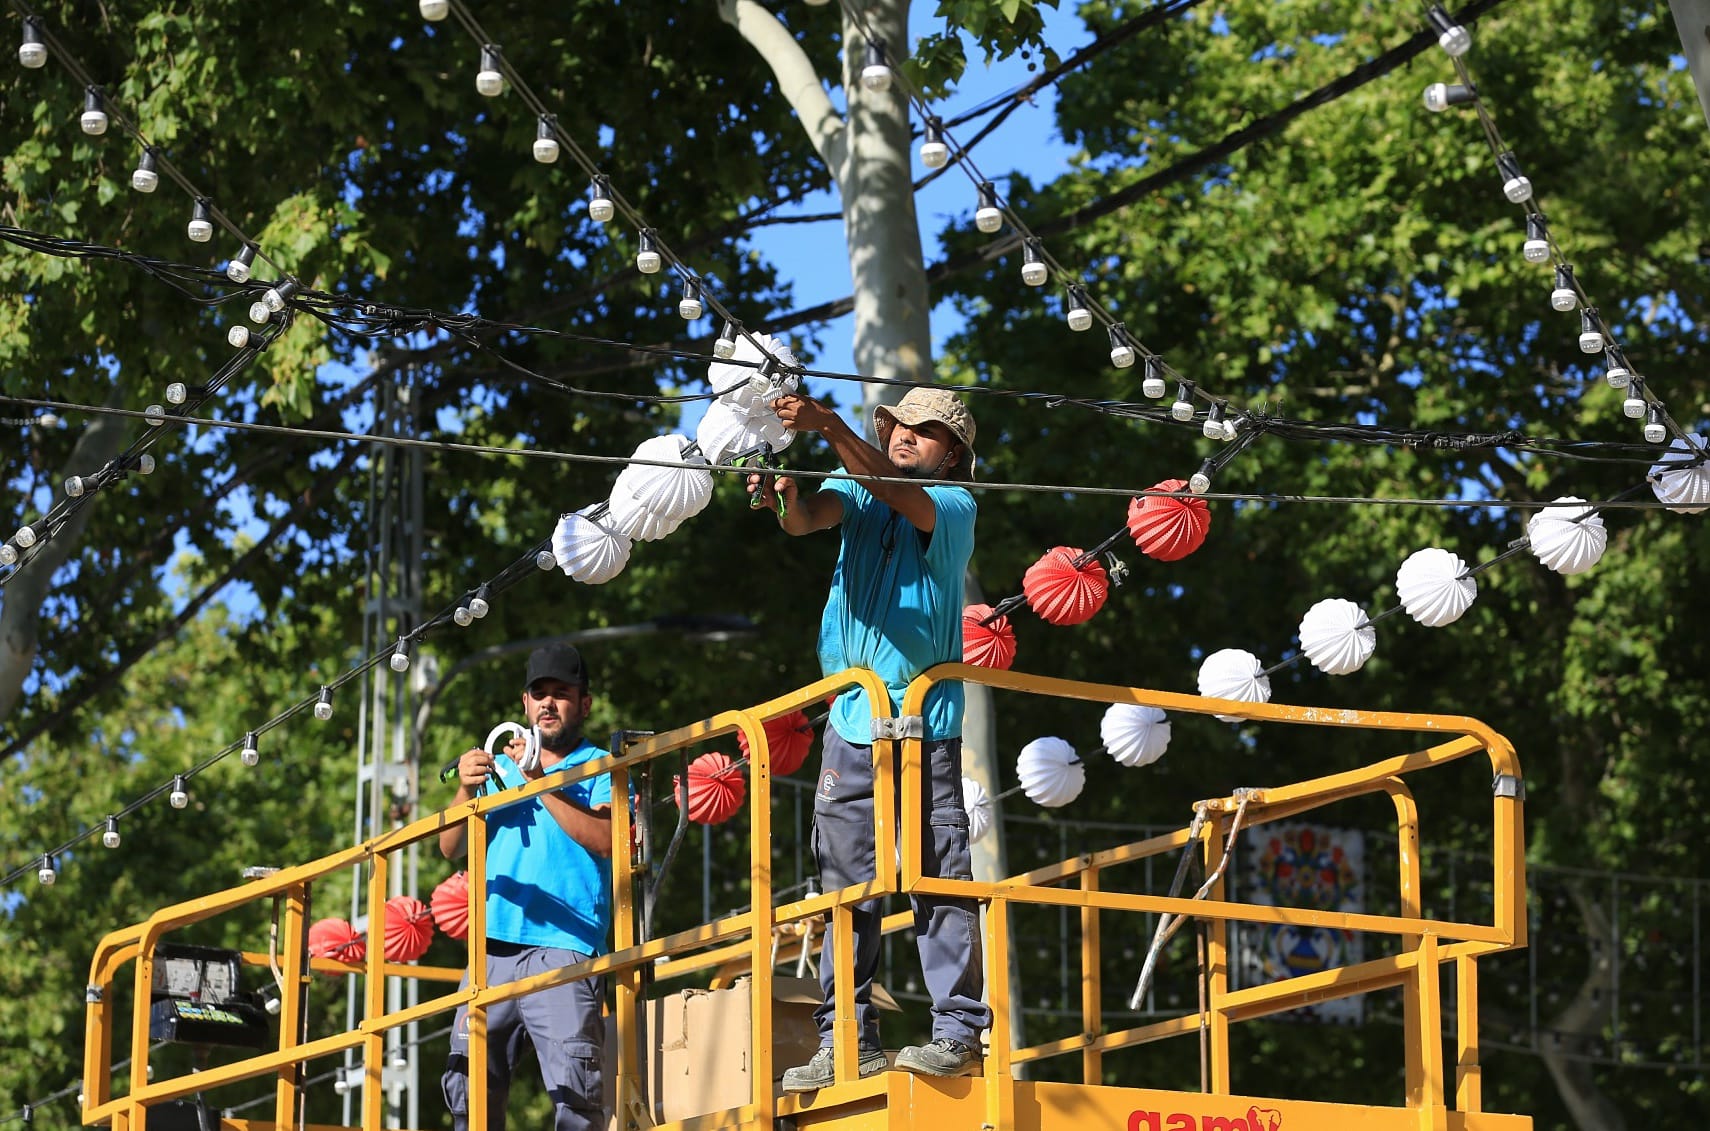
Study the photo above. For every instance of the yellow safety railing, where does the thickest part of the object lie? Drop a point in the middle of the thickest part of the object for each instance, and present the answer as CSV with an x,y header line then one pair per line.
x,y
748,938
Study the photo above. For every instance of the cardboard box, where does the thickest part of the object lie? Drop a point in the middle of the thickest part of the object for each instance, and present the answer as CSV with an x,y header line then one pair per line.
x,y
700,1056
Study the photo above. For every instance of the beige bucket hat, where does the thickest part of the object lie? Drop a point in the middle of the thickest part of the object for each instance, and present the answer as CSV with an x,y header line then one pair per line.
x,y
921,405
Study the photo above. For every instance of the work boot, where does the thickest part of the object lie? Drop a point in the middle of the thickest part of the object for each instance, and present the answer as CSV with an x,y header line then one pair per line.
x,y
941,1057
820,1071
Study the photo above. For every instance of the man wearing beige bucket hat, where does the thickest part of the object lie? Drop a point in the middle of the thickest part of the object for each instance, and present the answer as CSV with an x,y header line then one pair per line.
x,y
895,607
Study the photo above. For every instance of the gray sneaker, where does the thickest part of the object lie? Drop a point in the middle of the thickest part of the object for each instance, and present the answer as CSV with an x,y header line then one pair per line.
x,y
942,1057
820,1071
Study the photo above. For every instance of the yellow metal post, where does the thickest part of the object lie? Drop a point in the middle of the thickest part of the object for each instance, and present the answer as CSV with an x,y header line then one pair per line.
x,y
1429,1034
626,1089
374,995
999,1085
845,1033
760,893
1092,984
293,913
1407,854
1469,1076
476,839
1217,963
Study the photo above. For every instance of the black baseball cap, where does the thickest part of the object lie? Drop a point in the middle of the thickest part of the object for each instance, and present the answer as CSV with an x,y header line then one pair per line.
x,y
557,661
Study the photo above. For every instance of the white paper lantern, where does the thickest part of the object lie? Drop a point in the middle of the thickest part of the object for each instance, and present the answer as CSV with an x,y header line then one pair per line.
x,y
978,803
1232,673
650,502
588,551
1134,735
1685,488
1568,540
1337,636
1431,588
741,386
1050,773
724,432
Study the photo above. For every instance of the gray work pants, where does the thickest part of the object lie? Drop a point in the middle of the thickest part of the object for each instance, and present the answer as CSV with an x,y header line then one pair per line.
x,y
565,1026
946,930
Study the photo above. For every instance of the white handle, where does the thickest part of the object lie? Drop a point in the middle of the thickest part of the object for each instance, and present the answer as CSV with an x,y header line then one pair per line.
x,y
530,759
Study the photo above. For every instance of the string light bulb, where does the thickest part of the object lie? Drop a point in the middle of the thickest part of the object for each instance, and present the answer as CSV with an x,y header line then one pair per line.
x,y
1564,298
145,464
1635,404
988,217
488,80
110,835
543,560
876,74
434,11
725,347
1153,385
238,269
546,140
478,604
1655,430
1078,316
1200,481
25,537
1536,249
1454,39
1033,271
238,336
32,52
1590,336
8,554
400,660
1616,371
179,797
934,154
690,306
1516,186
1439,96
201,226
177,393
145,177
278,294
1231,429
75,485
258,312
1212,429
600,207
462,617
251,753
1183,408
323,705
1121,351
94,120
647,259
48,872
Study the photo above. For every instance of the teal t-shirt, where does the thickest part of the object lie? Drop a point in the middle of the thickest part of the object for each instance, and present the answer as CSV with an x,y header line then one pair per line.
x,y
896,604
544,889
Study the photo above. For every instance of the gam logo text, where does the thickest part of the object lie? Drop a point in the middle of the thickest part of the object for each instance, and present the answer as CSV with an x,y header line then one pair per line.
x,y
1256,1119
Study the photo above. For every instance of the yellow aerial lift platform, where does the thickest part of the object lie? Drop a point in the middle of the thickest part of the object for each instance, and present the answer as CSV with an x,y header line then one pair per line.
x,y
995,1100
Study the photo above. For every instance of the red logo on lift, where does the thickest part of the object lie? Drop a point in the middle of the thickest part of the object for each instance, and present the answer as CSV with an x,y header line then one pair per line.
x,y
1256,1119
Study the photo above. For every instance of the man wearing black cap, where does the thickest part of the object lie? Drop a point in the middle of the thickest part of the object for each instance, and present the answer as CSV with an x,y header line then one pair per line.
x,y
549,882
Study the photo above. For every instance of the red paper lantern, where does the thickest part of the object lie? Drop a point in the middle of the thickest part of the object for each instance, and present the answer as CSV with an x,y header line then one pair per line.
x,y
409,928
716,789
450,903
334,938
1060,592
1168,528
788,739
987,645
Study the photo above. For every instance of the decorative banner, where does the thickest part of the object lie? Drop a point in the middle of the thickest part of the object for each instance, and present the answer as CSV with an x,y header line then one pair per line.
x,y
1313,867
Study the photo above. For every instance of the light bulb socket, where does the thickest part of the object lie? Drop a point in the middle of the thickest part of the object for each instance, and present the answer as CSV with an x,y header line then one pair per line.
x,y
725,347
1182,409
110,835
251,752
94,120
201,226
934,154
1616,372
1200,481
1121,350
48,872
488,80
400,660
1590,331
988,217
323,705
1516,186
600,207
1454,39
279,294
1077,315
1636,404
1655,430
1439,96
546,140
876,73
1536,249
179,797
32,52
146,176
238,270
1212,429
